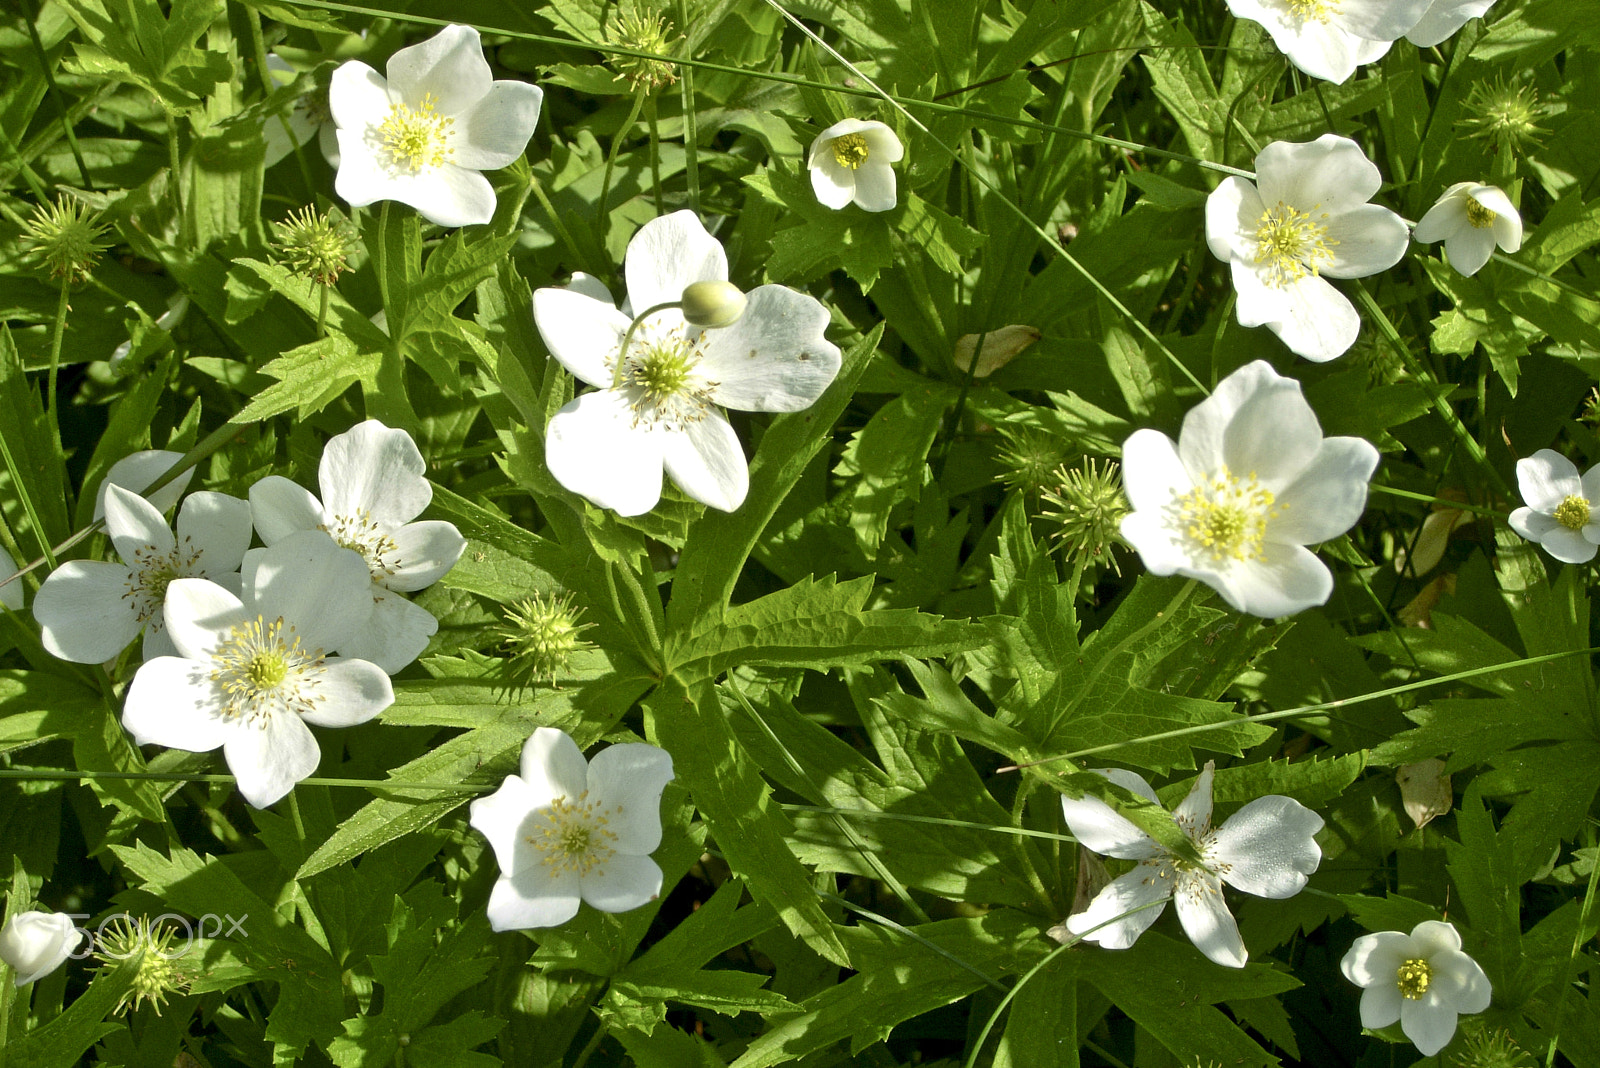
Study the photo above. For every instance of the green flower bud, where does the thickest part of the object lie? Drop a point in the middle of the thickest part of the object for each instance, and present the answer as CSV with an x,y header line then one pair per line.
x,y
713,304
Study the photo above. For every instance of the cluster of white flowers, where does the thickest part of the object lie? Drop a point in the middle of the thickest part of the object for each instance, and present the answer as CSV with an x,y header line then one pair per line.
x,y
1329,39
238,642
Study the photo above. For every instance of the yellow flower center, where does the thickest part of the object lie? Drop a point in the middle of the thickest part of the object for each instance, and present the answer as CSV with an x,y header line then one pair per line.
x,y
850,150
1226,517
1573,513
1479,216
661,375
151,572
1413,977
1313,10
571,836
1292,244
360,533
417,139
262,669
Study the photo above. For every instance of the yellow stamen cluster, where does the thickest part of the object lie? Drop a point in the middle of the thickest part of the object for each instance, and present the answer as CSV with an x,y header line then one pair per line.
x,y
1479,216
1227,517
1413,977
1313,10
376,547
152,572
418,139
262,668
662,375
850,150
1573,512
1292,244
572,837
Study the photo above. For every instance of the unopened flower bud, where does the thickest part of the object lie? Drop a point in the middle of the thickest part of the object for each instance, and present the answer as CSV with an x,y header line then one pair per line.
x,y
36,943
713,304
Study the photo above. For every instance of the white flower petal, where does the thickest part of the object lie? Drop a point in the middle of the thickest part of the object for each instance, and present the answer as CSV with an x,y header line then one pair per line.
x,y
135,526
1459,982
1139,888
1206,920
882,144
218,527
349,692
1381,20
774,358
553,766
534,897
199,613
1310,316
835,186
622,882
1217,433
445,195
1530,524
394,635
1268,847
1447,215
157,642
1163,550
375,471
1152,473
1194,811
875,187
426,552
269,755
707,462
1328,496
1443,18
137,470
580,330
500,816
1547,478
494,132
37,943
311,583
1428,1022
1373,959
1568,546
1233,212
84,613
1099,828
1331,173
625,782
1469,249
1290,579
280,508
668,253
449,66
173,702
1370,239
1380,1004
1431,937
593,449
358,97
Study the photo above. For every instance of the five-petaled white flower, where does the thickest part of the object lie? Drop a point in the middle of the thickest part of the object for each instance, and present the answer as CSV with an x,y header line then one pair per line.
x,y
1266,849
372,488
89,610
1305,216
851,160
1329,39
1421,979
36,943
1471,219
567,830
252,670
1443,18
1250,483
422,135
1563,510
656,406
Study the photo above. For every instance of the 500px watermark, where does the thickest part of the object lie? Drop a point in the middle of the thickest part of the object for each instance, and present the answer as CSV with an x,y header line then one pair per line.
x,y
170,934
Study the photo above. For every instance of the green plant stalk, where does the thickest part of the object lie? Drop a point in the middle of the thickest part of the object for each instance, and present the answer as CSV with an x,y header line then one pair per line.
x,y
691,128
655,149
322,311
1460,506
66,775
554,218
1016,988
600,1032
258,46
27,507
60,102
57,330
1566,971
616,146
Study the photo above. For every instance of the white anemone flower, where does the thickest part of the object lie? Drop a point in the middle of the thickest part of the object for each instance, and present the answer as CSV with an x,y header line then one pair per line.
x,y
1329,39
1250,483
422,135
89,610
306,119
37,943
1305,216
252,671
1562,512
1443,18
1266,848
1471,219
659,409
568,830
373,487
1421,979
851,161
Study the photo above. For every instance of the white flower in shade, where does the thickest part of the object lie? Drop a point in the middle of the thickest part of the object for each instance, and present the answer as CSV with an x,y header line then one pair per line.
x,y
1267,849
659,409
372,488
1471,220
177,308
137,470
1561,511
89,610
11,592
1305,216
1421,979
1250,483
422,135
1329,39
252,671
851,160
306,119
1443,18
37,943
568,830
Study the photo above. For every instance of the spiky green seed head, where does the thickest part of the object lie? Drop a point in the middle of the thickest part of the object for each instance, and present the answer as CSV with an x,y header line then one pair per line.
x,y
1088,505
65,238
314,246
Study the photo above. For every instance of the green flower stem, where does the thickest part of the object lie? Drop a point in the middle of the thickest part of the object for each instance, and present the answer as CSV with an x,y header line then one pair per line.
x,y
616,146
691,130
1460,506
902,817
627,338
27,506
258,45
593,1044
40,194
655,149
58,329
322,311
994,1017
60,102
554,218
68,775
